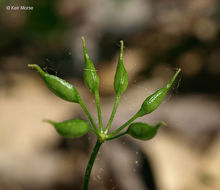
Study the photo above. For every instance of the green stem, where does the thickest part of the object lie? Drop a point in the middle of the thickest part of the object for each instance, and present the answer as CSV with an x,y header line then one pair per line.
x,y
123,126
92,130
89,116
117,136
97,98
173,78
90,164
113,113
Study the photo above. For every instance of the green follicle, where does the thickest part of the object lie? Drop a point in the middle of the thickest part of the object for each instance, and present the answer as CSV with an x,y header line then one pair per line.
x,y
58,86
153,101
121,76
90,76
143,131
71,128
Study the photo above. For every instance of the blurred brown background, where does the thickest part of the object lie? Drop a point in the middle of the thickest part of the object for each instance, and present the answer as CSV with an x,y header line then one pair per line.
x,y
159,37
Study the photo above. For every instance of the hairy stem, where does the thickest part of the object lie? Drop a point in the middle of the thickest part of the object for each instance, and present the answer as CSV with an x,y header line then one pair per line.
x,y
90,164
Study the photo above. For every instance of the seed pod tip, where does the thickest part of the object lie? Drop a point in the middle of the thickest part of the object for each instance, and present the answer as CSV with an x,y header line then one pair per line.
x,y
49,121
173,78
160,124
36,67
122,44
83,39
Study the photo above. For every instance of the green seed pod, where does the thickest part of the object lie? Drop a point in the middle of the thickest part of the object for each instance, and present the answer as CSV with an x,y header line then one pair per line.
x,y
143,131
71,128
58,86
121,76
153,101
90,76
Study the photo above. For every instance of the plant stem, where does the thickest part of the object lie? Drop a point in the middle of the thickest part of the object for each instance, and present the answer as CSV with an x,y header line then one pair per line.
x,y
117,136
97,98
173,78
89,116
113,113
123,126
90,164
